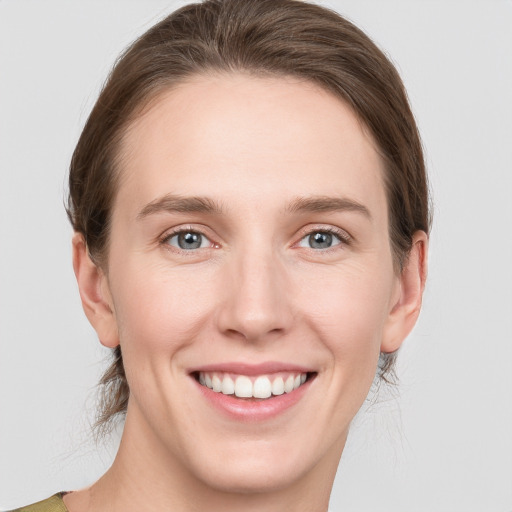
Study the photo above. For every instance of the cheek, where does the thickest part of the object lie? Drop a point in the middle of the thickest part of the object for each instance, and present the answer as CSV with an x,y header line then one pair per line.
x,y
349,312
159,311
160,314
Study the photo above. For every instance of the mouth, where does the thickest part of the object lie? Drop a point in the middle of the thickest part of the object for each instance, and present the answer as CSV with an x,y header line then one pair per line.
x,y
253,387
253,392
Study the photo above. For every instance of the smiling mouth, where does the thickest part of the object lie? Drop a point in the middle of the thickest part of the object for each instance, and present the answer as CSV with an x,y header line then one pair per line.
x,y
260,387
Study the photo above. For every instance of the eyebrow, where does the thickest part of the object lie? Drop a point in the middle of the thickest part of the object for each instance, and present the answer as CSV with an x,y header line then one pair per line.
x,y
177,204
327,204
171,203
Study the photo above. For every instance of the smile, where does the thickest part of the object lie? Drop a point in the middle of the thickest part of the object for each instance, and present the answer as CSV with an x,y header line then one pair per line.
x,y
253,392
260,386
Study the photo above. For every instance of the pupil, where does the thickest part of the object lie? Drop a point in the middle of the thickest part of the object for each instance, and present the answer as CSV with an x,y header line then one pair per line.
x,y
320,240
189,240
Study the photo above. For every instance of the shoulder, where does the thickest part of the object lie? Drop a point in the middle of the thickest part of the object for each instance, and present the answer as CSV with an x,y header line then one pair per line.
x,y
53,504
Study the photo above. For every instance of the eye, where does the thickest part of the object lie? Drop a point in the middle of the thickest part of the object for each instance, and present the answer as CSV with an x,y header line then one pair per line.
x,y
320,240
188,240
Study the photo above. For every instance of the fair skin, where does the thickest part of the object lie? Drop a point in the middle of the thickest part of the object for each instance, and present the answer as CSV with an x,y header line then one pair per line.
x,y
287,270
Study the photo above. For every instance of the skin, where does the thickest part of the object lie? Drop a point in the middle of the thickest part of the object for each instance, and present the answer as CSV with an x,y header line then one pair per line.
x,y
256,291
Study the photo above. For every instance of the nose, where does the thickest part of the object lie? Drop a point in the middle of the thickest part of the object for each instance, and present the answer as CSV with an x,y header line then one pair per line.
x,y
257,297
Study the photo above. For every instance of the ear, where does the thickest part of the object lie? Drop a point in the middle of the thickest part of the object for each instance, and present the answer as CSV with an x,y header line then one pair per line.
x,y
94,293
406,302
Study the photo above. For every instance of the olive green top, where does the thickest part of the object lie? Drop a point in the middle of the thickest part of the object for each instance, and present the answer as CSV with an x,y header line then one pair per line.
x,y
53,504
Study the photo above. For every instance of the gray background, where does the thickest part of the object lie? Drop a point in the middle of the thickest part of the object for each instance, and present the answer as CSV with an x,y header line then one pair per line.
x,y
445,443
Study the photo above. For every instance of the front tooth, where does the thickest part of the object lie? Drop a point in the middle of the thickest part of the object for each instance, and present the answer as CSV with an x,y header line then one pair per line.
x,y
228,386
216,384
288,385
262,388
243,387
208,381
296,382
278,386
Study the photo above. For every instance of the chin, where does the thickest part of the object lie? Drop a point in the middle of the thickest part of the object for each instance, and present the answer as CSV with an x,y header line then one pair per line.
x,y
255,466
252,476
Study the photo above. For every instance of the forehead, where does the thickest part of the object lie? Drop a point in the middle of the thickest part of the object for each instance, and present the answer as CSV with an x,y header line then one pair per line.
x,y
260,139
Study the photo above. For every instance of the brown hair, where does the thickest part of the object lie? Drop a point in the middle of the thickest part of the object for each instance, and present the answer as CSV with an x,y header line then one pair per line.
x,y
260,37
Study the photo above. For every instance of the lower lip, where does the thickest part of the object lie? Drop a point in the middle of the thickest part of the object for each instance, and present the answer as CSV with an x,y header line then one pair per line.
x,y
253,410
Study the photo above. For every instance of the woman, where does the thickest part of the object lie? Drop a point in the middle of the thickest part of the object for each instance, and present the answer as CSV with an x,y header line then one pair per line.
x,y
250,210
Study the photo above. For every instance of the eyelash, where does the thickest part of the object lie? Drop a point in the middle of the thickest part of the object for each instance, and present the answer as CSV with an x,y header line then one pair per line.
x,y
344,239
165,239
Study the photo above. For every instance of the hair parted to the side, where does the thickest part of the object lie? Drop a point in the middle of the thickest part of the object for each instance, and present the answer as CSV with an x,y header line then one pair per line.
x,y
262,38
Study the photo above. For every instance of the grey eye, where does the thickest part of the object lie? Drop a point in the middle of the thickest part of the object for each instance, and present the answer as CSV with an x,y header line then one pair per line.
x,y
189,240
320,240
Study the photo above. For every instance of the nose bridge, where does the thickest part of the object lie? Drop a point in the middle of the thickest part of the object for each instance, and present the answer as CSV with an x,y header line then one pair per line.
x,y
256,303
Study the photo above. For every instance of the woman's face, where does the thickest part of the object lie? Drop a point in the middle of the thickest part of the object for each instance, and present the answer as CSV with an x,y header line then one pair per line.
x,y
249,250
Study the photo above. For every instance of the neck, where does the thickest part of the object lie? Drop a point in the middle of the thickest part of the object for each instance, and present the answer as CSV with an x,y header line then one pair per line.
x,y
145,476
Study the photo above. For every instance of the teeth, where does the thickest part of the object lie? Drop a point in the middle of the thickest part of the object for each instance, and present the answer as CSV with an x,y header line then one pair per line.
x,y
262,388
216,384
228,386
278,386
288,385
242,386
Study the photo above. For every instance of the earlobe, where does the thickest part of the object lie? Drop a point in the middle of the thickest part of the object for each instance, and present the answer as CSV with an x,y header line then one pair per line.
x,y
406,306
94,293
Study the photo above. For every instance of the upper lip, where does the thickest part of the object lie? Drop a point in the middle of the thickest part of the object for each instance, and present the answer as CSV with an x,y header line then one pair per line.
x,y
264,368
